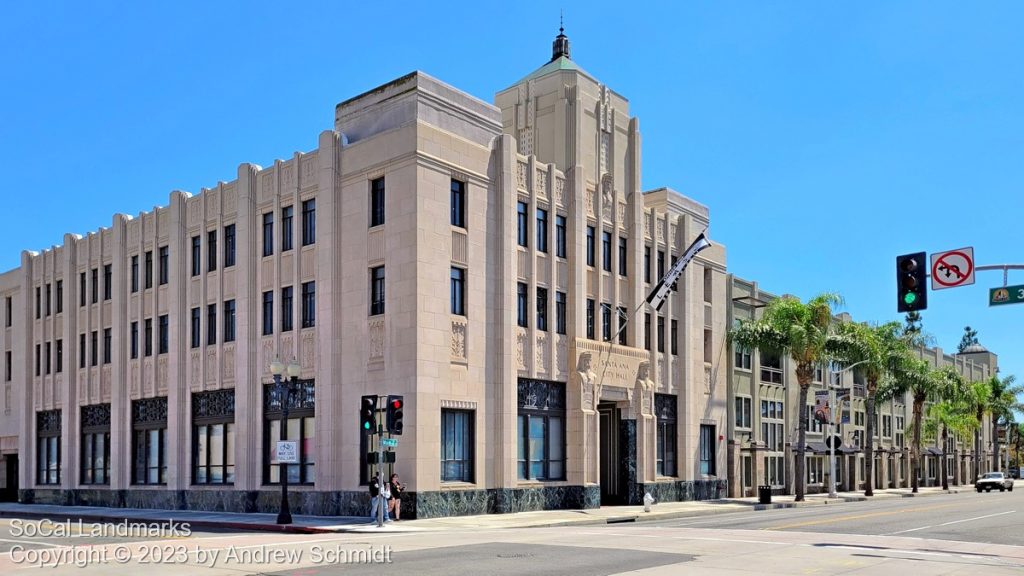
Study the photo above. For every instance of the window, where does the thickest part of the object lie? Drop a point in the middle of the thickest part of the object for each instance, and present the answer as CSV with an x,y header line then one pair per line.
x,y
148,272
149,441
301,427
560,312
708,284
559,235
268,233
135,278
60,293
622,256
886,426
674,338
147,346
458,202
196,334
647,264
456,445
521,299
542,230
8,318
94,349
748,472
542,309
591,330
541,428
107,346
819,372
229,245
742,415
590,245
229,321
813,425
95,277
165,265
39,360
286,309
47,358
623,317
606,251
164,335
771,368
39,302
49,300
213,437
742,358
606,322
458,294
523,224
661,264
665,411
196,256
211,324
268,313
134,338
308,304
95,467
815,469
82,290
48,429
661,334
211,250
773,436
108,283
376,290
309,222
376,202
7,366
707,449
647,331
286,228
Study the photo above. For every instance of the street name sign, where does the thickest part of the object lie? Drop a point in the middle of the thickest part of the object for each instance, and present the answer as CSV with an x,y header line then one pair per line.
x,y
952,268
1006,295
389,442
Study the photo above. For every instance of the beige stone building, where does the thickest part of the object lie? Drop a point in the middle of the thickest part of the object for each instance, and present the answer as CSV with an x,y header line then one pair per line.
x,y
764,417
488,262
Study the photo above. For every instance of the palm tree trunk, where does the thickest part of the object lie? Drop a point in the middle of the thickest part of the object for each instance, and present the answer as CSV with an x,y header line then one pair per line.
x,y
945,480
977,449
916,456
995,443
869,452
803,376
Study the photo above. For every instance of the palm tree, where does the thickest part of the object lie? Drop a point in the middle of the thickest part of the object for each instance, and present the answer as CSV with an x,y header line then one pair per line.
x,y
803,331
1003,403
951,413
879,350
979,399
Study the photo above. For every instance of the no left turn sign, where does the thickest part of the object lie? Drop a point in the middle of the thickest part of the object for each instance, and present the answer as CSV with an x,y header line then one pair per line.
x,y
952,268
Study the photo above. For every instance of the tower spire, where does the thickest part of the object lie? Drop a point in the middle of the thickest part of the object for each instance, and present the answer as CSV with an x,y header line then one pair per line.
x,y
560,47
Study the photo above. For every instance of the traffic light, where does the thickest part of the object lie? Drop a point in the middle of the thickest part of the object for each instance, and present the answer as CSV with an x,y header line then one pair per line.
x,y
394,414
911,282
368,415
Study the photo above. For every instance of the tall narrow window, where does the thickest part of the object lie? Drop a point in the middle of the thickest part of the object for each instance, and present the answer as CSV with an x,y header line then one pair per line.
x,y
39,359
95,276
541,427
590,245
521,302
309,222
81,350
559,235
148,272
621,313
48,430
376,202
229,245
268,233
308,304
164,336
286,309
661,334
590,319
300,427
622,256
286,228
211,250
665,411
135,277
229,321
647,331
213,437
165,265
60,355
48,357
94,348
107,346
707,449
674,338
268,313
7,366
108,282
134,339
522,223
9,316
49,300
197,256
456,445
542,309
376,290
149,441
606,251
95,444
82,289
560,312
458,203
661,265
196,340
542,230
458,295
211,324
647,264
147,346
606,322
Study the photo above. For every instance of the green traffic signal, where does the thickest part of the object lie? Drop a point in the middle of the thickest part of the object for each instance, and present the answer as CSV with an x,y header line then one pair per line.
x,y
910,298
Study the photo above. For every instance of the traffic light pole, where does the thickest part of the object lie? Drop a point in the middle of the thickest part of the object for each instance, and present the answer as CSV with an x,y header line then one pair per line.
x,y
381,502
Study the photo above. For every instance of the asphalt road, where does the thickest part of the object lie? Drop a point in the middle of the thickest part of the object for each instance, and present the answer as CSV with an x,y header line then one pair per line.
x,y
992,518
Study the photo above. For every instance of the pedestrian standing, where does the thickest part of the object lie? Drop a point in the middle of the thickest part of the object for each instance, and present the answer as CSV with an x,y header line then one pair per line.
x,y
395,504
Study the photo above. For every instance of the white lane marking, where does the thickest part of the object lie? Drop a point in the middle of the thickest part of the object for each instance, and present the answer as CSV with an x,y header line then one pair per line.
x,y
953,522
30,541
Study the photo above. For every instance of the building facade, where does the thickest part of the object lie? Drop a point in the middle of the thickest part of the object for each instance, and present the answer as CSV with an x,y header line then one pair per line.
x,y
488,262
764,417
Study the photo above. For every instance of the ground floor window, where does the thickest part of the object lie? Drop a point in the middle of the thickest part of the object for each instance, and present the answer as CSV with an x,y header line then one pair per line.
x,y
456,445
48,428
213,437
748,471
541,428
815,470
300,427
775,470
665,410
96,444
707,449
149,445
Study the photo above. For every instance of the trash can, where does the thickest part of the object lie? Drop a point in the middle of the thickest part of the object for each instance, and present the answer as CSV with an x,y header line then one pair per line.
x,y
764,494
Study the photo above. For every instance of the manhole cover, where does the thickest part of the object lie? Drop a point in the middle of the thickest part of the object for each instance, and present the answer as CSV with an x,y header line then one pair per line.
x,y
515,555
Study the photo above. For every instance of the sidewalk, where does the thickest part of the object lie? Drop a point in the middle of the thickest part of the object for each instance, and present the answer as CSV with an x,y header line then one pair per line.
x,y
546,518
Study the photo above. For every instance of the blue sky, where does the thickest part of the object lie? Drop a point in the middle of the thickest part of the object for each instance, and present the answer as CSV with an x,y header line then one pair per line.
x,y
826,138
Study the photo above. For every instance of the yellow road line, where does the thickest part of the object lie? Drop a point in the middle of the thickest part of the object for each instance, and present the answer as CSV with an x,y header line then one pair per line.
x,y
856,517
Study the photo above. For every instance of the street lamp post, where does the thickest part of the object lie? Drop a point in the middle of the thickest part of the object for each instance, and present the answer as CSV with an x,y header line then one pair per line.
x,y
831,434
283,391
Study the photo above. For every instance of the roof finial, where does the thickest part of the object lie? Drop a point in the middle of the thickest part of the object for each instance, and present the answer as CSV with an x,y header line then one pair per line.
x,y
560,47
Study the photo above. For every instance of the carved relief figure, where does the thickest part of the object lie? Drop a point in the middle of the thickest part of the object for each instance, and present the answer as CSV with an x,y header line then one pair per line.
x,y
584,366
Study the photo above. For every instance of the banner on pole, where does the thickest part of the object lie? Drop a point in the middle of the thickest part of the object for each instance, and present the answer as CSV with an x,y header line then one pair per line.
x,y
822,410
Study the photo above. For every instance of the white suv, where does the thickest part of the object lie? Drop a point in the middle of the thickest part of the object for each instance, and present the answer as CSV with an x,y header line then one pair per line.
x,y
994,480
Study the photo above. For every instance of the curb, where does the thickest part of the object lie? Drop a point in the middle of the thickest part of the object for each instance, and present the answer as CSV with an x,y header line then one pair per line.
x,y
261,527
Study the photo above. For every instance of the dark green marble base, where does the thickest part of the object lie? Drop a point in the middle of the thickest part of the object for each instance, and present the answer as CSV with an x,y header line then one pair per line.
x,y
502,500
684,490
